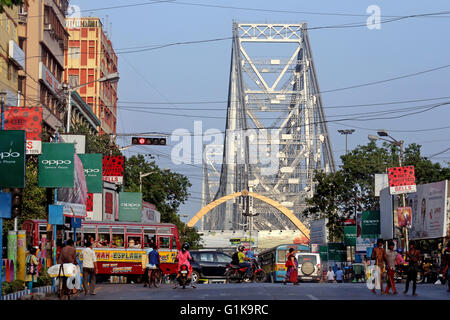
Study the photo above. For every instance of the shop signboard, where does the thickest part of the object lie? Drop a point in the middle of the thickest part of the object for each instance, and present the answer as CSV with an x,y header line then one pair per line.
x,y
130,206
318,229
350,235
12,159
370,224
113,169
323,250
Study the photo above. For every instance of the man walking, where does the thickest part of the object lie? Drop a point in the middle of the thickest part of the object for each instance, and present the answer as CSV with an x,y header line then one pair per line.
x,y
379,255
89,268
391,257
68,253
414,259
339,275
330,275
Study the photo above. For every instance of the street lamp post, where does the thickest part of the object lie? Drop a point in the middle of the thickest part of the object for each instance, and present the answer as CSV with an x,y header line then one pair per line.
x,y
398,143
346,132
140,179
111,78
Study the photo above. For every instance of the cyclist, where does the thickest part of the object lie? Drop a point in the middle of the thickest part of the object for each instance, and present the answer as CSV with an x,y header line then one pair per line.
x,y
184,257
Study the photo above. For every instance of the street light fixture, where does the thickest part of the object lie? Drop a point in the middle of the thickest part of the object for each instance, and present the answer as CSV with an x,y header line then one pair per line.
x,y
111,78
346,132
140,179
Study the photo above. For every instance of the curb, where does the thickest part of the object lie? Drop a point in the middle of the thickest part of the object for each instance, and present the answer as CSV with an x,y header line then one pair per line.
x,y
17,295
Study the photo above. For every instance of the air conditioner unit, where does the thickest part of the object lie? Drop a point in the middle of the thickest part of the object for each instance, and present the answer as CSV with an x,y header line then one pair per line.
x,y
48,27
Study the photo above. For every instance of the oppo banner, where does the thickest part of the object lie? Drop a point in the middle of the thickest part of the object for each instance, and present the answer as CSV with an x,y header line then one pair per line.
x,y
350,235
12,159
92,164
56,165
28,119
130,206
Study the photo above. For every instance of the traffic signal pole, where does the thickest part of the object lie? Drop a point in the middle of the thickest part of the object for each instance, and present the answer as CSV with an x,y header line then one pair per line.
x,y
2,124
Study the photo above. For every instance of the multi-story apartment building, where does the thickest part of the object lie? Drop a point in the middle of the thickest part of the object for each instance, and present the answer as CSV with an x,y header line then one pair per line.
x,y
46,39
90,56
12,57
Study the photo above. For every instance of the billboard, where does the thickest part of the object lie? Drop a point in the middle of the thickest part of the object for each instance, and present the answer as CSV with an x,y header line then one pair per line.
x,y
28,119
56,165
110,201
130,206
94,210
12,159
386,215
271,238
319,232
350,235
404,217
92,165
337,252
381,182
79,140
429,211
402,180
149,213
113,169
370,224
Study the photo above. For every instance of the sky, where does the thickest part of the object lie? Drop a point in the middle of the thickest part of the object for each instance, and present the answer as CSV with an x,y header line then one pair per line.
x,y
179,77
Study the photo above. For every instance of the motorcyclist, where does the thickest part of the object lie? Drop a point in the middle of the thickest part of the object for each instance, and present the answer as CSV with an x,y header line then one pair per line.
x,y
183,258
242,261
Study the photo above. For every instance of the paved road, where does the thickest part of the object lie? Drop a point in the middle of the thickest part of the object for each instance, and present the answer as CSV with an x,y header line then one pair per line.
x,y
262,291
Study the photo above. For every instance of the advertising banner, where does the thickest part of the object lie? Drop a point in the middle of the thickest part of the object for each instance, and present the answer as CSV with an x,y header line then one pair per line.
x,y
337,252
113,169
381,182
370,224
74,199
429,211
350,235
12,159
318,229
323,250
94,208
30,120
269,239
56,165
402,180
149,213
110,201
386,215
404,216
5,205
92,165
130,206
79,140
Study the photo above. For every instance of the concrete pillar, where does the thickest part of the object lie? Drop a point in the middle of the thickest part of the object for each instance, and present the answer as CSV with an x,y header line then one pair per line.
x,y
21,254
12,249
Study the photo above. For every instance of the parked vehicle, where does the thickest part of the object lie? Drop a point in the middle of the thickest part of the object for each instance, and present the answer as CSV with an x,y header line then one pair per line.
x,y
309,266
273,260
235,273
209,265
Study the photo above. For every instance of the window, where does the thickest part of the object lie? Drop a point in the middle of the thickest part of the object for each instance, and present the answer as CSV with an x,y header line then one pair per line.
x,y
134,230
148,239
117,237
223,258
104,237
195,256
282,256
134,242
164,231
164,242
74,53
206,257
73,80
306,258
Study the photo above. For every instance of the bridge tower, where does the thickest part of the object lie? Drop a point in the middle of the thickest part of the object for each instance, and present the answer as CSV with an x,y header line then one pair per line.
x,y
276,132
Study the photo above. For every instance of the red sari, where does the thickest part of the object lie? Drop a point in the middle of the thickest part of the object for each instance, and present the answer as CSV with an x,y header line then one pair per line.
x,y
292,272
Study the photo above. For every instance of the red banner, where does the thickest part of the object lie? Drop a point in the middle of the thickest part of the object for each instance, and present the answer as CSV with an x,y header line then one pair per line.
x,y
402,180
28,119
113,169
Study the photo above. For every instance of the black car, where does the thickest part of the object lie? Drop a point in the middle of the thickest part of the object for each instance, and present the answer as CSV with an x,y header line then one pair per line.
x,y
209,265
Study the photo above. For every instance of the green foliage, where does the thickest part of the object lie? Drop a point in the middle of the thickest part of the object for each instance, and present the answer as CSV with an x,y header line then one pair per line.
x,y
338,196
11,287
44,279
9,3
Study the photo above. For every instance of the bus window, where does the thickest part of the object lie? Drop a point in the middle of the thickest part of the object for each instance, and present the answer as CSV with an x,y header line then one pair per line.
x,y
104,237
134,242
149,239
164,242
118,238
282,256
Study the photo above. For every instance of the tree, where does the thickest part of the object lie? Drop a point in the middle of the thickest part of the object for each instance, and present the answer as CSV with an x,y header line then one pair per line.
x,y
9,4
96,143
338,196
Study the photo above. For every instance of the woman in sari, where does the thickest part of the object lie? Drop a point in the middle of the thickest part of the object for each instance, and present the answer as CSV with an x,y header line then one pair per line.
x,y
291,265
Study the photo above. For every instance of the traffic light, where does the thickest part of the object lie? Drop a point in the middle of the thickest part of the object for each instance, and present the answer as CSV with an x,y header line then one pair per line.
x,y
16,201
149,141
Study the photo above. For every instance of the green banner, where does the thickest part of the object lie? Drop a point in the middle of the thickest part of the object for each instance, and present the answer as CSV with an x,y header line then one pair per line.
x,y
92,165
323,250
12,159
350,235
130,206
370,224
56,165
337,252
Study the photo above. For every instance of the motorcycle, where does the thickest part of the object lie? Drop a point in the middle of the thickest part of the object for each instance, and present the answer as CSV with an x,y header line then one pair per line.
x,y
401,273
183,278
236,273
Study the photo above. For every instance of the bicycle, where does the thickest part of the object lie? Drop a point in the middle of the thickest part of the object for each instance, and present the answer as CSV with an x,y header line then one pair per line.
x,y
63,291
156,276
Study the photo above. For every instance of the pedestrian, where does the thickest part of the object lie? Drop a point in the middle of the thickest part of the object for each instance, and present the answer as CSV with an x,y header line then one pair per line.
x,y
379,255
68,253
89,269
413,258
330,275
446,265
31,263
339,275
391,257
153,265
335,268
291,265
